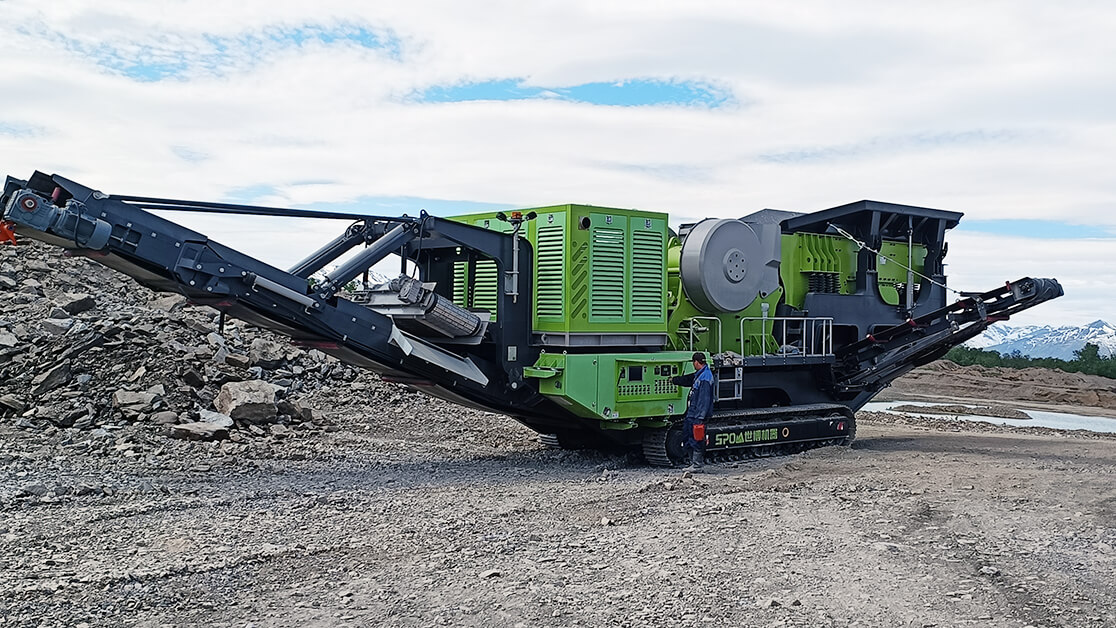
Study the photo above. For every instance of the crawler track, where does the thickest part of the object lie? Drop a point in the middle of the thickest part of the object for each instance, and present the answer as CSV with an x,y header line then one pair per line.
x,y
759,432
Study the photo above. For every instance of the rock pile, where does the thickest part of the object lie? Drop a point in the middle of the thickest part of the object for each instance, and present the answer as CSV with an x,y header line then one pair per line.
x,y
83,347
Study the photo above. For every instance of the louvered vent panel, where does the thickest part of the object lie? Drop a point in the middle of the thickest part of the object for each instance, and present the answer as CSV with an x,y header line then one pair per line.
x,y
485,286
550,290
647,276
606,281
459,283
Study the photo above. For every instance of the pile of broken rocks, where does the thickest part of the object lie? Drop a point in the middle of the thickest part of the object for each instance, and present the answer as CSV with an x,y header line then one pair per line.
x,y
85,351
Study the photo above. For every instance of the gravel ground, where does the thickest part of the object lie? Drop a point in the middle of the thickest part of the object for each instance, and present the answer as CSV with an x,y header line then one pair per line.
x,y
473,524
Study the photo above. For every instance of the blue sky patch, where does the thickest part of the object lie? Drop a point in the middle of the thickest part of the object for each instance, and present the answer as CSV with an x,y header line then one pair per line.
x,y
250,194
1046,229
629,93
192,155
17,129
263,194
177,58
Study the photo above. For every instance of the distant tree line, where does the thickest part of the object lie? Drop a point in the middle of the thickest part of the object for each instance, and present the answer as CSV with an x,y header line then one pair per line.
x,y
1087,360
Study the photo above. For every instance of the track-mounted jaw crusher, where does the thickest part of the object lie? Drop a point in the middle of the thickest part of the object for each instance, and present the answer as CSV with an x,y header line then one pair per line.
x,y
574,319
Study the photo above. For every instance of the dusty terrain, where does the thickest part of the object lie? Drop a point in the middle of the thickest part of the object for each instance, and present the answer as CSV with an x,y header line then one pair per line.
x,y
380,507
368,526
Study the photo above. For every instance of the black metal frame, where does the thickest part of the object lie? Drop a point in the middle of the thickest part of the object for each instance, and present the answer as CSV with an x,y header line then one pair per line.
x,y
166,256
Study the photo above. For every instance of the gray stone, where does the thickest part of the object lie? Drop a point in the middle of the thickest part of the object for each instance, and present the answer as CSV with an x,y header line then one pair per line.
x,y
193,378
199,326
13,403
266,354
279,430
166,417
168,303
216,418
215,339
57,312
220,354
198,430
252,401
294,410
7,283
238,360
51,379
36,490
58,326
134,401
77,303
8,340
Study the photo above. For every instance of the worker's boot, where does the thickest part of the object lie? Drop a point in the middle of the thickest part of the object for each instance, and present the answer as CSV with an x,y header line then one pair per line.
x,y
697,462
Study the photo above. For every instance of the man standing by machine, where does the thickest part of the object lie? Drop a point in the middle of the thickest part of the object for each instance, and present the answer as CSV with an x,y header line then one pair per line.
x,y
699,407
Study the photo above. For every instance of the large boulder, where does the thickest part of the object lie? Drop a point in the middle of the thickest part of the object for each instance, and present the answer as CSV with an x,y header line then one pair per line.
x,y
253,401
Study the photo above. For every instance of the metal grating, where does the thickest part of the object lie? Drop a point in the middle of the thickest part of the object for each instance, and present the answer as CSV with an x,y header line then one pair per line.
x,y
606,280
550,288
648,302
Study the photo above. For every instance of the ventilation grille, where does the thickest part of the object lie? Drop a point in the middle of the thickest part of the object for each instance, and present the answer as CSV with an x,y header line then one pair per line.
x,y
550,289
459,286
485,286
606,283
647,276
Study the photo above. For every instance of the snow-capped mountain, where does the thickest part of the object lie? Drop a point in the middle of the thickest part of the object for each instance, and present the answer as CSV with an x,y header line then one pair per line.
x,y
1044,341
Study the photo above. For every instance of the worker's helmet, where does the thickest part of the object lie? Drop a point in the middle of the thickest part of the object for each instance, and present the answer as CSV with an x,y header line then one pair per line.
x,y
699,357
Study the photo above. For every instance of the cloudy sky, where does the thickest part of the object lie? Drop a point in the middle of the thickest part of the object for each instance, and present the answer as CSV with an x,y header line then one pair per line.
x,y
1003,110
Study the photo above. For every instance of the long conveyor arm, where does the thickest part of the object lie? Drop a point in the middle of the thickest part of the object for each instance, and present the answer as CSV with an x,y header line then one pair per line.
x,y
122,233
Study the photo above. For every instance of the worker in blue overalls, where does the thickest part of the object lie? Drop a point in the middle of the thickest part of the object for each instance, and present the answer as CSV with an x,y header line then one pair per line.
x,y
699,407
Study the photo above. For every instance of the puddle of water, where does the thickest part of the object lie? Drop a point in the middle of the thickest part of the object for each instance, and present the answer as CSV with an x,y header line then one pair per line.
x,y
1039,418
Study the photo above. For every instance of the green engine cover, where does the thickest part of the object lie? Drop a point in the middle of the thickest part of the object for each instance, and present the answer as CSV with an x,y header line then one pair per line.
x,y
598,270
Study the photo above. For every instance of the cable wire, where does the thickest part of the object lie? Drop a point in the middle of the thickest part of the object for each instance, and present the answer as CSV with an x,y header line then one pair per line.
x,y
865,247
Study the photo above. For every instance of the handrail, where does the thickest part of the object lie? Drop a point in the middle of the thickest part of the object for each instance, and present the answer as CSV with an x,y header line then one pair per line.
x,y
810,334
705,318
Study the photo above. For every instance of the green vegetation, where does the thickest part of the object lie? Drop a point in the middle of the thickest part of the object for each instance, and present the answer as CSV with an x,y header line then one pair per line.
x,y
1087,360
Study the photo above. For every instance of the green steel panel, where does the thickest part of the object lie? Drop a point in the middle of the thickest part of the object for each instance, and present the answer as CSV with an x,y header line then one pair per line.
x,y
619,389
891,268
607,264
596,270
648,301
550,270
806,254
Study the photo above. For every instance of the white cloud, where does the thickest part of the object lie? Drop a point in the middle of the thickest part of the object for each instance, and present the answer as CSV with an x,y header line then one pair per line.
x,y
1000,110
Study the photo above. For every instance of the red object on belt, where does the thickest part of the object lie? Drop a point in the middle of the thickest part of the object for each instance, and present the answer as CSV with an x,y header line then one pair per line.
x,y
699,432
7,236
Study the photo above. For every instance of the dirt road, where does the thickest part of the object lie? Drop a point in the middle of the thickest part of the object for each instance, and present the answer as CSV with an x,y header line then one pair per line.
x,y
478,526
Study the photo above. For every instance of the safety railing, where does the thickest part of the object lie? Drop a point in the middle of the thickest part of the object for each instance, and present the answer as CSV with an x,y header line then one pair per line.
x,y
815,335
